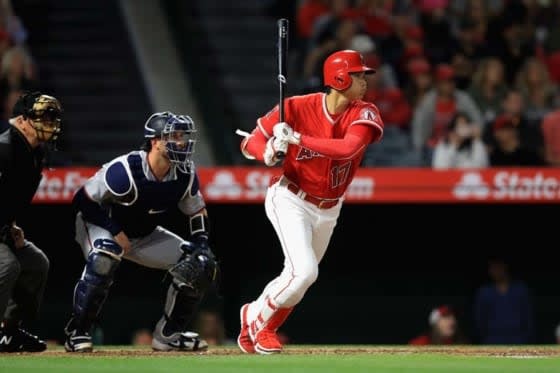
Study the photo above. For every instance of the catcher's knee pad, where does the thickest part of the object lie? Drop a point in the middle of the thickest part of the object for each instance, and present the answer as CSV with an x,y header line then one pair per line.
x,y
93,287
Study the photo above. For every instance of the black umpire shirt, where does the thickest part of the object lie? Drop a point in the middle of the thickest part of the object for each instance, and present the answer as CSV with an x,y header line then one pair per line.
x,y
20,174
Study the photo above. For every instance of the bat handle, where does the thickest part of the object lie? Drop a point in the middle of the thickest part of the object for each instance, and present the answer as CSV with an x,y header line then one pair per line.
x,y
280,154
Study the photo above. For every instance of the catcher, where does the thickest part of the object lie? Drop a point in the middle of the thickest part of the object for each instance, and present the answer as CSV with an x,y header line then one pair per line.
x,y
119,215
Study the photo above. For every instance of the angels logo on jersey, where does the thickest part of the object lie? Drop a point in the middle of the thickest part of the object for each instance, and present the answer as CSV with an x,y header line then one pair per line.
x,y
368,114
306,154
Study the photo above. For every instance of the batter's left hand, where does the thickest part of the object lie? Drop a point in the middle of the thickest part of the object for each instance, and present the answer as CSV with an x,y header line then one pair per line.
x,y
284,132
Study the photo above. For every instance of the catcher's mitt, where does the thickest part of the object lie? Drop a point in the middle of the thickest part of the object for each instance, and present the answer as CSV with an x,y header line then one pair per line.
x,y
197,269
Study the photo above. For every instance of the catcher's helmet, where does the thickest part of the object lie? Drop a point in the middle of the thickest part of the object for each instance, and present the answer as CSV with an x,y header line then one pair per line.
x,y
179,134
44,111
339,65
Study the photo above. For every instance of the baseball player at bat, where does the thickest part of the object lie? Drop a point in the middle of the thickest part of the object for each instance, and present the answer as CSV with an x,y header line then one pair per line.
x,y
120,215
324,136
34,125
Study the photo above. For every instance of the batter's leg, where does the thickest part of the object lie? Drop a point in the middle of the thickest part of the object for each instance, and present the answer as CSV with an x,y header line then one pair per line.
x,y
293,225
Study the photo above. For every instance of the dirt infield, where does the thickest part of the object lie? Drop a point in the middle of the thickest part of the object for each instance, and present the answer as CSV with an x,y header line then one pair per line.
x,y
520,352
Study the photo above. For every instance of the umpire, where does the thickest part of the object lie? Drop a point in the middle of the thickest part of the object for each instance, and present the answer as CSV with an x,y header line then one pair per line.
x,y
24,268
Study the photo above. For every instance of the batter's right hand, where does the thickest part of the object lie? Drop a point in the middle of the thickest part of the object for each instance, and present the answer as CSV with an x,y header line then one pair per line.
x,y
283,131
123,241
273,146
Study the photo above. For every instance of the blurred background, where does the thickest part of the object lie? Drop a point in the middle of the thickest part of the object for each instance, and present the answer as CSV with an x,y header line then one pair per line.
x,y
481,76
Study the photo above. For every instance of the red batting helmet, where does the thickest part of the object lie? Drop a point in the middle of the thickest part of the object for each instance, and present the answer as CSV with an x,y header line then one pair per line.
x,y
339,65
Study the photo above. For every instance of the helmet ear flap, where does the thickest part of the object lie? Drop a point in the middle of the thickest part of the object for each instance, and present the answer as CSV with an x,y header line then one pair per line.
x,y
343,80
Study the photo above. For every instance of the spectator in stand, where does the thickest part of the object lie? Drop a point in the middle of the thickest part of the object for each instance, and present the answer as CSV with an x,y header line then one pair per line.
x,y
365,45
467,51
557,334
503,309
419,81
376,17
406,34
461,147
530,135
389,99
438,38
469,40
433,114
344,31
444,329
17,72
309,11
12,24
537,90
488,88
551,135
510,42
5,43
509,149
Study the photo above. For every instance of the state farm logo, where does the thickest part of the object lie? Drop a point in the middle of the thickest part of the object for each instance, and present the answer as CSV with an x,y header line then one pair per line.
x,y
361,188
225,185
471,185
61,186
506,185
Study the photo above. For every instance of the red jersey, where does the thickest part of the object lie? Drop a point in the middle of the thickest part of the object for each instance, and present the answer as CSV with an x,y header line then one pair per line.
x,y
315,173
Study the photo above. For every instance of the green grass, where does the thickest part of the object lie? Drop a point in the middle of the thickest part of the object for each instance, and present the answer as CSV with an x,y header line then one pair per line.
x,y
313,359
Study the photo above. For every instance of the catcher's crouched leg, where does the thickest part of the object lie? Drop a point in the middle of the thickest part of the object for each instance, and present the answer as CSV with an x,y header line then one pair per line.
x,y
190,278
90,294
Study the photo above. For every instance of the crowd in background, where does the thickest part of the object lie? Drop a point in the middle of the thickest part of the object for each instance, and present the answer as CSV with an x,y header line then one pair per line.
x,y
459,83
18,70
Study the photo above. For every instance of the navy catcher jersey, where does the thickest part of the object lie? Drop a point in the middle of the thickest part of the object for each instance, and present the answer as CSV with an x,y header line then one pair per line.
x,y
133,199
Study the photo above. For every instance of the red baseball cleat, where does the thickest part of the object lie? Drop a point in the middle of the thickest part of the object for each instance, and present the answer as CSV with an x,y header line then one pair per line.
x,y
244,340
267,342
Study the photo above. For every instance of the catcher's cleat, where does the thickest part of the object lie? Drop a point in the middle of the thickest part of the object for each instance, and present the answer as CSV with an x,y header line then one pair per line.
x,y
186,341
244,340
19,340
78,341
267,342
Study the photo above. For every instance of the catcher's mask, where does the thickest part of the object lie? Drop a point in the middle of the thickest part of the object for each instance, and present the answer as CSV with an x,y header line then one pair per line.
x,y
179,134
44,113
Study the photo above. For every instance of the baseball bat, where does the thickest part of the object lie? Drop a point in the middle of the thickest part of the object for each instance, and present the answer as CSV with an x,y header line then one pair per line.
x,y
282,81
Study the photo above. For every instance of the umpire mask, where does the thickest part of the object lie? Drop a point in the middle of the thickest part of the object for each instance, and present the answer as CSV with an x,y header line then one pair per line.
x,y
44,112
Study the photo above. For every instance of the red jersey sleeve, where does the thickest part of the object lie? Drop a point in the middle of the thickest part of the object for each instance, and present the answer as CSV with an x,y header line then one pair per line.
x,y
357,138
365,127
266,123
253,146
369,115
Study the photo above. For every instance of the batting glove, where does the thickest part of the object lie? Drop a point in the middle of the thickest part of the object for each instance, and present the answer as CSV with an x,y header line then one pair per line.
x,y
284,132
273,146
